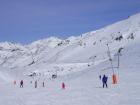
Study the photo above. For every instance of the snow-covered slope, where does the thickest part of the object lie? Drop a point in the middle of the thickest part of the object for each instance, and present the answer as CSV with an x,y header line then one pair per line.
x,y
78,61
86,48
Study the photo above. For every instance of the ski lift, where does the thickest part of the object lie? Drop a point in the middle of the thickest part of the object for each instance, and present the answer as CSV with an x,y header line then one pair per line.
x,y
114,76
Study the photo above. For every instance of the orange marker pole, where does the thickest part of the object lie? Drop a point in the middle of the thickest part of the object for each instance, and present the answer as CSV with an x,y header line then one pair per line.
x,y
114,79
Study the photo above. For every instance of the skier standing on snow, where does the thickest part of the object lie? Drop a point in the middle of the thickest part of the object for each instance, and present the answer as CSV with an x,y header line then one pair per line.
x,y
43,84
104,80
21,84
35,84
63,85
14,82
100,77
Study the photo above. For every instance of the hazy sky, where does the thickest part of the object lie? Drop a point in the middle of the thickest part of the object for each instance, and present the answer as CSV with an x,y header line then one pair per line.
x,y
25,21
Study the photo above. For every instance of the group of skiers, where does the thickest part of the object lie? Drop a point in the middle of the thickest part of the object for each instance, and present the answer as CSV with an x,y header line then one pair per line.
x,y
21,84
103,78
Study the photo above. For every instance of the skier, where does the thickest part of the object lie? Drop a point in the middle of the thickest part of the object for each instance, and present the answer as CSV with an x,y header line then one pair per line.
x,y
100,77
21,84
63,85
104,80
35,84
43,84
14,82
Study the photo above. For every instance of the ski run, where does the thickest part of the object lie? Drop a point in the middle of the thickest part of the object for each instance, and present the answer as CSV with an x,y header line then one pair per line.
x,y
66,71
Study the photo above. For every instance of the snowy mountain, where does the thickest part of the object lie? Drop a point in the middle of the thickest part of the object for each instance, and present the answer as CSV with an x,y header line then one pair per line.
x,y
78,59
87,48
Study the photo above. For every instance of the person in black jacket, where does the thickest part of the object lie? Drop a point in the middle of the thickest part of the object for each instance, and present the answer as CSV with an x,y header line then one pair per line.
x,y
35,84
21,84
43,84
100,77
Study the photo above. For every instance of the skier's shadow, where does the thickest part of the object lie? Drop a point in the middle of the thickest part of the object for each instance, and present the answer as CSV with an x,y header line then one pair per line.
x,y
98,87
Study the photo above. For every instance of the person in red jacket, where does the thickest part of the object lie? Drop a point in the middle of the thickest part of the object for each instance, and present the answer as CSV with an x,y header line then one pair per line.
x,y
63,85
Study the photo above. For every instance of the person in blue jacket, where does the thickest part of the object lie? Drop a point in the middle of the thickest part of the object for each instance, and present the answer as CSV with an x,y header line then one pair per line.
x,y
104,80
